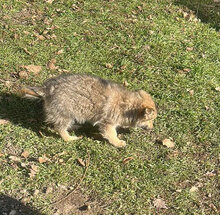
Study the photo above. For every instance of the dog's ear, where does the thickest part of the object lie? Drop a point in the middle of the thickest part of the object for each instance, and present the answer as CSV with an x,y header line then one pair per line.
x,y
146,112
149,113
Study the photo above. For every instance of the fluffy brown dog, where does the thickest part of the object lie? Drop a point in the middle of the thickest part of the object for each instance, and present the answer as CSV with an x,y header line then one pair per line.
x,y
75,99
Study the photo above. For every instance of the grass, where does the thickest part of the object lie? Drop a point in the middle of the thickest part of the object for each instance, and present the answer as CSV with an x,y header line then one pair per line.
x,y
158,46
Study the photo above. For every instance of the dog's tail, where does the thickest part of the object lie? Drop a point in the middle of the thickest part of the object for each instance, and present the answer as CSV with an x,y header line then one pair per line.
x,y
32,92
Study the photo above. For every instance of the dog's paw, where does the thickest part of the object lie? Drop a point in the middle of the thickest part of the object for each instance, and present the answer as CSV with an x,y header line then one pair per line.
x,y
72,138
120,144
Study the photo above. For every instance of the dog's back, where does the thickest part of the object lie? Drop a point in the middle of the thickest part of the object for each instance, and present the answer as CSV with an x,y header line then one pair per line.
x,y
80,97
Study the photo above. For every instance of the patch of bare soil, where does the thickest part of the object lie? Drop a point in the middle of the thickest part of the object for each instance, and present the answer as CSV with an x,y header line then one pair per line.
x,y
26,16
79,204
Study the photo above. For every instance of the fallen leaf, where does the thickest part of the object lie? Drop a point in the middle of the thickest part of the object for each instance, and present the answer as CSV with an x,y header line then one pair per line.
x,y
23,74
185,15
108,65
16,36
33,171
36,192
160,204
140,8
217,89
168,143
51,64
147,47
25,154
125,83
14,158
81,162
191,92
49,1
43,159
61,160
150,17
4,121
40,37
33,69
60,52
207,107
193,189
126,160
26,32
211,174
49,190
151,32
186,70
53,36
189,49
183,71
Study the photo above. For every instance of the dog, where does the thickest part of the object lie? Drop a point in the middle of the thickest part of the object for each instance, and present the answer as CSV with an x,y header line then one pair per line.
x,y
72,100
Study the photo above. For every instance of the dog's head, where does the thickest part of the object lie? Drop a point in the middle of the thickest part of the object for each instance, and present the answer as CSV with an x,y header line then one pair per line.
x,y
146,111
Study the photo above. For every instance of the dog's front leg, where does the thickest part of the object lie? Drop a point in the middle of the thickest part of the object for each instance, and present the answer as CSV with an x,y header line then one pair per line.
x,y
109,132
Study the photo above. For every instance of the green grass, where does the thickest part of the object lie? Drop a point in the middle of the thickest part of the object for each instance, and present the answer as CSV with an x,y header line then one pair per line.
x,y
146,44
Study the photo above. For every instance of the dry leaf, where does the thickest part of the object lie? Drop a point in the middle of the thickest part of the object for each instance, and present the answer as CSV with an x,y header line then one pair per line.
x,y
4,121
61,160
60,51
33,69
34,168
151,32
43,159
140,8
193,189
211,174
168,143
125,83
186,70
33,171
147,47
81,162
49,190
26,32
160,204
150,17
25,154
108,65
49,1
23,74
126,160
191,92
217,89
36,192
40,37
51,64
14,158
189,49
16,36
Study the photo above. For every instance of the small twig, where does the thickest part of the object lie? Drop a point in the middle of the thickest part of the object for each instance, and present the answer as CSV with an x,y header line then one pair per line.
x,y
77,186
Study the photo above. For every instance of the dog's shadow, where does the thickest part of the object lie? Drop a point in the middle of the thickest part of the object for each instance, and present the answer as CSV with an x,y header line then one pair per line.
x,y
9,205
29,114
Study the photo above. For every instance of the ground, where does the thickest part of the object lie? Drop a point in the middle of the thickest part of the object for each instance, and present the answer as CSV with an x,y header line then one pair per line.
x,y
170,49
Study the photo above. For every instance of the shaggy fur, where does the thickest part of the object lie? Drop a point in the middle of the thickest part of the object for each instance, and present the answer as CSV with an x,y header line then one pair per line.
x,y
75,99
